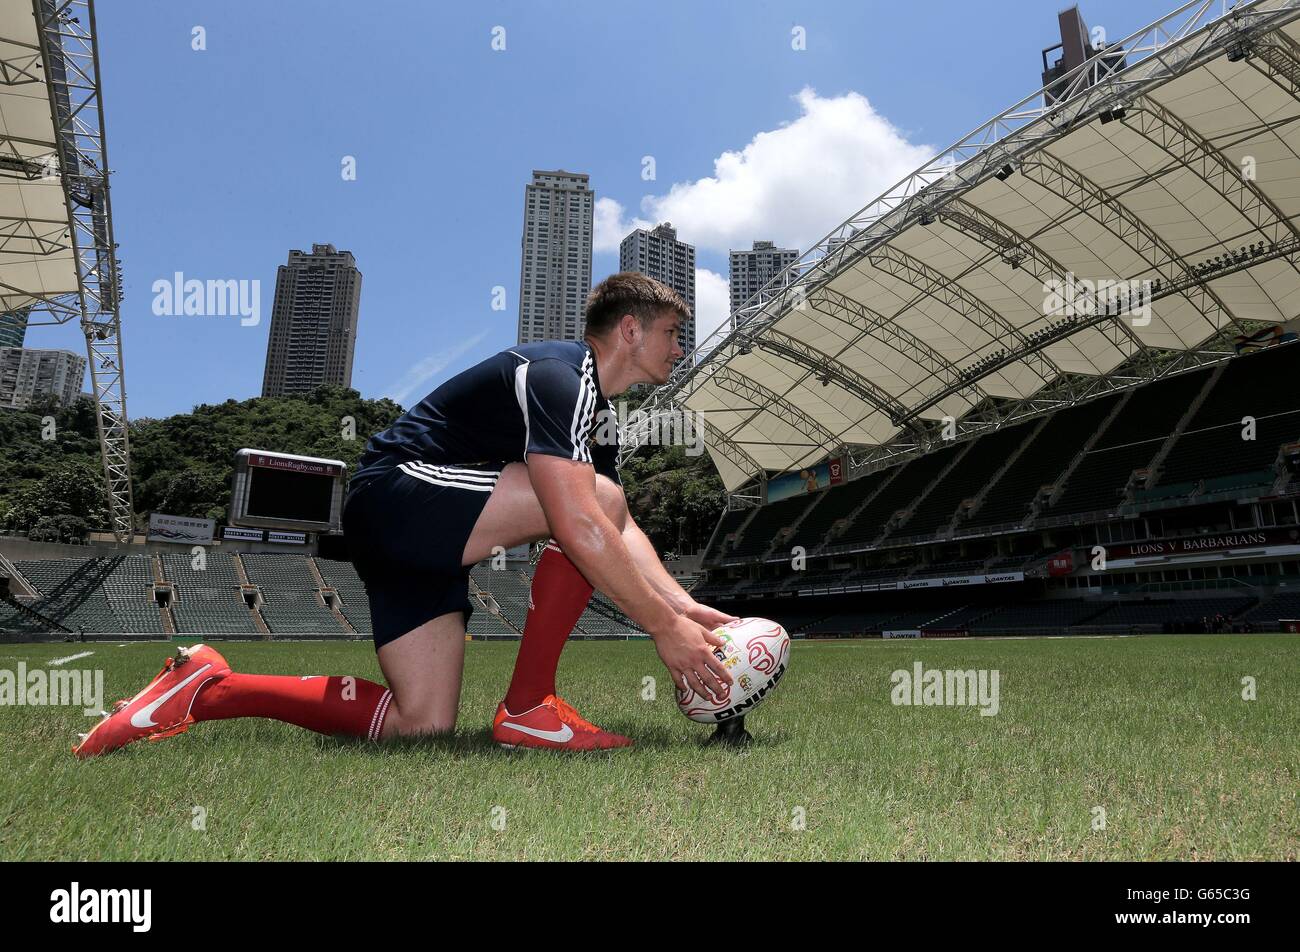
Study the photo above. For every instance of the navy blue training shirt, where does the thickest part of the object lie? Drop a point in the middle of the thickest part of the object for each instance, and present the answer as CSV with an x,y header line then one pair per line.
x,y
534,398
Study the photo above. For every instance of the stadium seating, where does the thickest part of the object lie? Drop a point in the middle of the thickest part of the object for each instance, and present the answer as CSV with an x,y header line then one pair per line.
x,y
289,573
938,569
302,613
853,622
919,617
1018,561
1267,614
1059,441
1047,614
916,474
15,622
1262,386
110,595
509,587
762,530
839,501
1220,450
798,622
207,600
1098,482
484,623
53,575
729,523
964,481
962,617
343,578
1123,433
217,573
129,589
1130,442
290,600
1157,613
209,612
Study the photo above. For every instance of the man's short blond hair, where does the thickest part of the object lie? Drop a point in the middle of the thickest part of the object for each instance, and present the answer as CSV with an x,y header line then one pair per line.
x,y
630,292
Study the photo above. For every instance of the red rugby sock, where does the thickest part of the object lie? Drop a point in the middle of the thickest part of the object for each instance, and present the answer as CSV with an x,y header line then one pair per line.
x,y
559,595
351,707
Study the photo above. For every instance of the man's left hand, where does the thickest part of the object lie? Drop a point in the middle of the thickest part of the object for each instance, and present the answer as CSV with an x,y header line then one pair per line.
x,y
710,618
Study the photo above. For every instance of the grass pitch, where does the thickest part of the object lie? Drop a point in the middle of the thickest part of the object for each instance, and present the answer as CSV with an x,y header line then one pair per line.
x,y
1154,731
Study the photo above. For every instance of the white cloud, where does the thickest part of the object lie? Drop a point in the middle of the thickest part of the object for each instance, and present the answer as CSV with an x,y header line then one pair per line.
x,y
712,302
608,226
791,185
418,375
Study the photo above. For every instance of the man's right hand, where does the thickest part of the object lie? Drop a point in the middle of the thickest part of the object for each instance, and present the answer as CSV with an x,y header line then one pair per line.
x,y
686,649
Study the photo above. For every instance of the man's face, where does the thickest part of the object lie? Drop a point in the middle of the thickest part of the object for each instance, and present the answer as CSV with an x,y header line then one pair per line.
x,y
658,349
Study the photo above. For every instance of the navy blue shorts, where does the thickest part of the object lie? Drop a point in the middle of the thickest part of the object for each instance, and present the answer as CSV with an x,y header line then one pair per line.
x,y
406,530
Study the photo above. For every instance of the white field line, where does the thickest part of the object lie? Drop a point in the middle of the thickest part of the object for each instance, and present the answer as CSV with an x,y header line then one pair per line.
x,y
84,654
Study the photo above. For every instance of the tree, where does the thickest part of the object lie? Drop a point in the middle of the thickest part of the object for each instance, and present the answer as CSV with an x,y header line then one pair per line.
x,y
59,529
196,493
675,498
69,498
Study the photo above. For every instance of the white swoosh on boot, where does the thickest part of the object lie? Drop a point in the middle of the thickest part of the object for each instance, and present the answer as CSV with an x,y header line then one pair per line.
x,y
143,718
564,734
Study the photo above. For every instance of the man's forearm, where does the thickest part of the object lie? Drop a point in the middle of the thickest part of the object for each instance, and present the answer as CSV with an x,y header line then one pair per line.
x,y
647,560
603,555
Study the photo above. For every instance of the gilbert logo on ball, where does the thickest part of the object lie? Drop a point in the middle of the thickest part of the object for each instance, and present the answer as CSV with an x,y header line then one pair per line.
x,y
756,653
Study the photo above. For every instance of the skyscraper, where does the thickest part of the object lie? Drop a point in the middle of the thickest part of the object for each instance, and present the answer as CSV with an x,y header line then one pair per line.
x,y
13,328
555,273
27,373
752,269
658,254
313,322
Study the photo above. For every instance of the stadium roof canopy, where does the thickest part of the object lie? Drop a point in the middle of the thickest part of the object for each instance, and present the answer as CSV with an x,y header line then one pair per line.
x,y
1168,163
37,258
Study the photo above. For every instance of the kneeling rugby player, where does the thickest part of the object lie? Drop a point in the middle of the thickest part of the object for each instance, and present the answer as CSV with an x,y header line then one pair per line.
x,y
509,451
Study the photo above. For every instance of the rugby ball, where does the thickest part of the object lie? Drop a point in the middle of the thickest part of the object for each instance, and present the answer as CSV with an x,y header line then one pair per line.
x,y
757,652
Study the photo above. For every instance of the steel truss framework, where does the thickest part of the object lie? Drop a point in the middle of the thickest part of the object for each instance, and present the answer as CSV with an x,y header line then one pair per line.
x,y
1018,251
764,398
66,61
1114,86
829,370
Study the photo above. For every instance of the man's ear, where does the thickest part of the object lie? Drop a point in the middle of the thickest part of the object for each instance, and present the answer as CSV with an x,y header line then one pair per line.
x,y
628,326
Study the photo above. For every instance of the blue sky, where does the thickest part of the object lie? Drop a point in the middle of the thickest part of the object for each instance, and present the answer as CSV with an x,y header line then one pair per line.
x,y
226,158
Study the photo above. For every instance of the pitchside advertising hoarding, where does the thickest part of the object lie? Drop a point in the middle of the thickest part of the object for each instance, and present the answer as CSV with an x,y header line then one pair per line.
x,y
180,529
287,538
807,480
239,534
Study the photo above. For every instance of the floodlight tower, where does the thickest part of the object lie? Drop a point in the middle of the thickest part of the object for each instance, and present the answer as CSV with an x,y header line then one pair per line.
x,y
70,54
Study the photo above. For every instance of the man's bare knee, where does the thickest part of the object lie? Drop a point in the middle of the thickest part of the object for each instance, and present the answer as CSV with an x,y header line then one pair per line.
x,y
415,720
